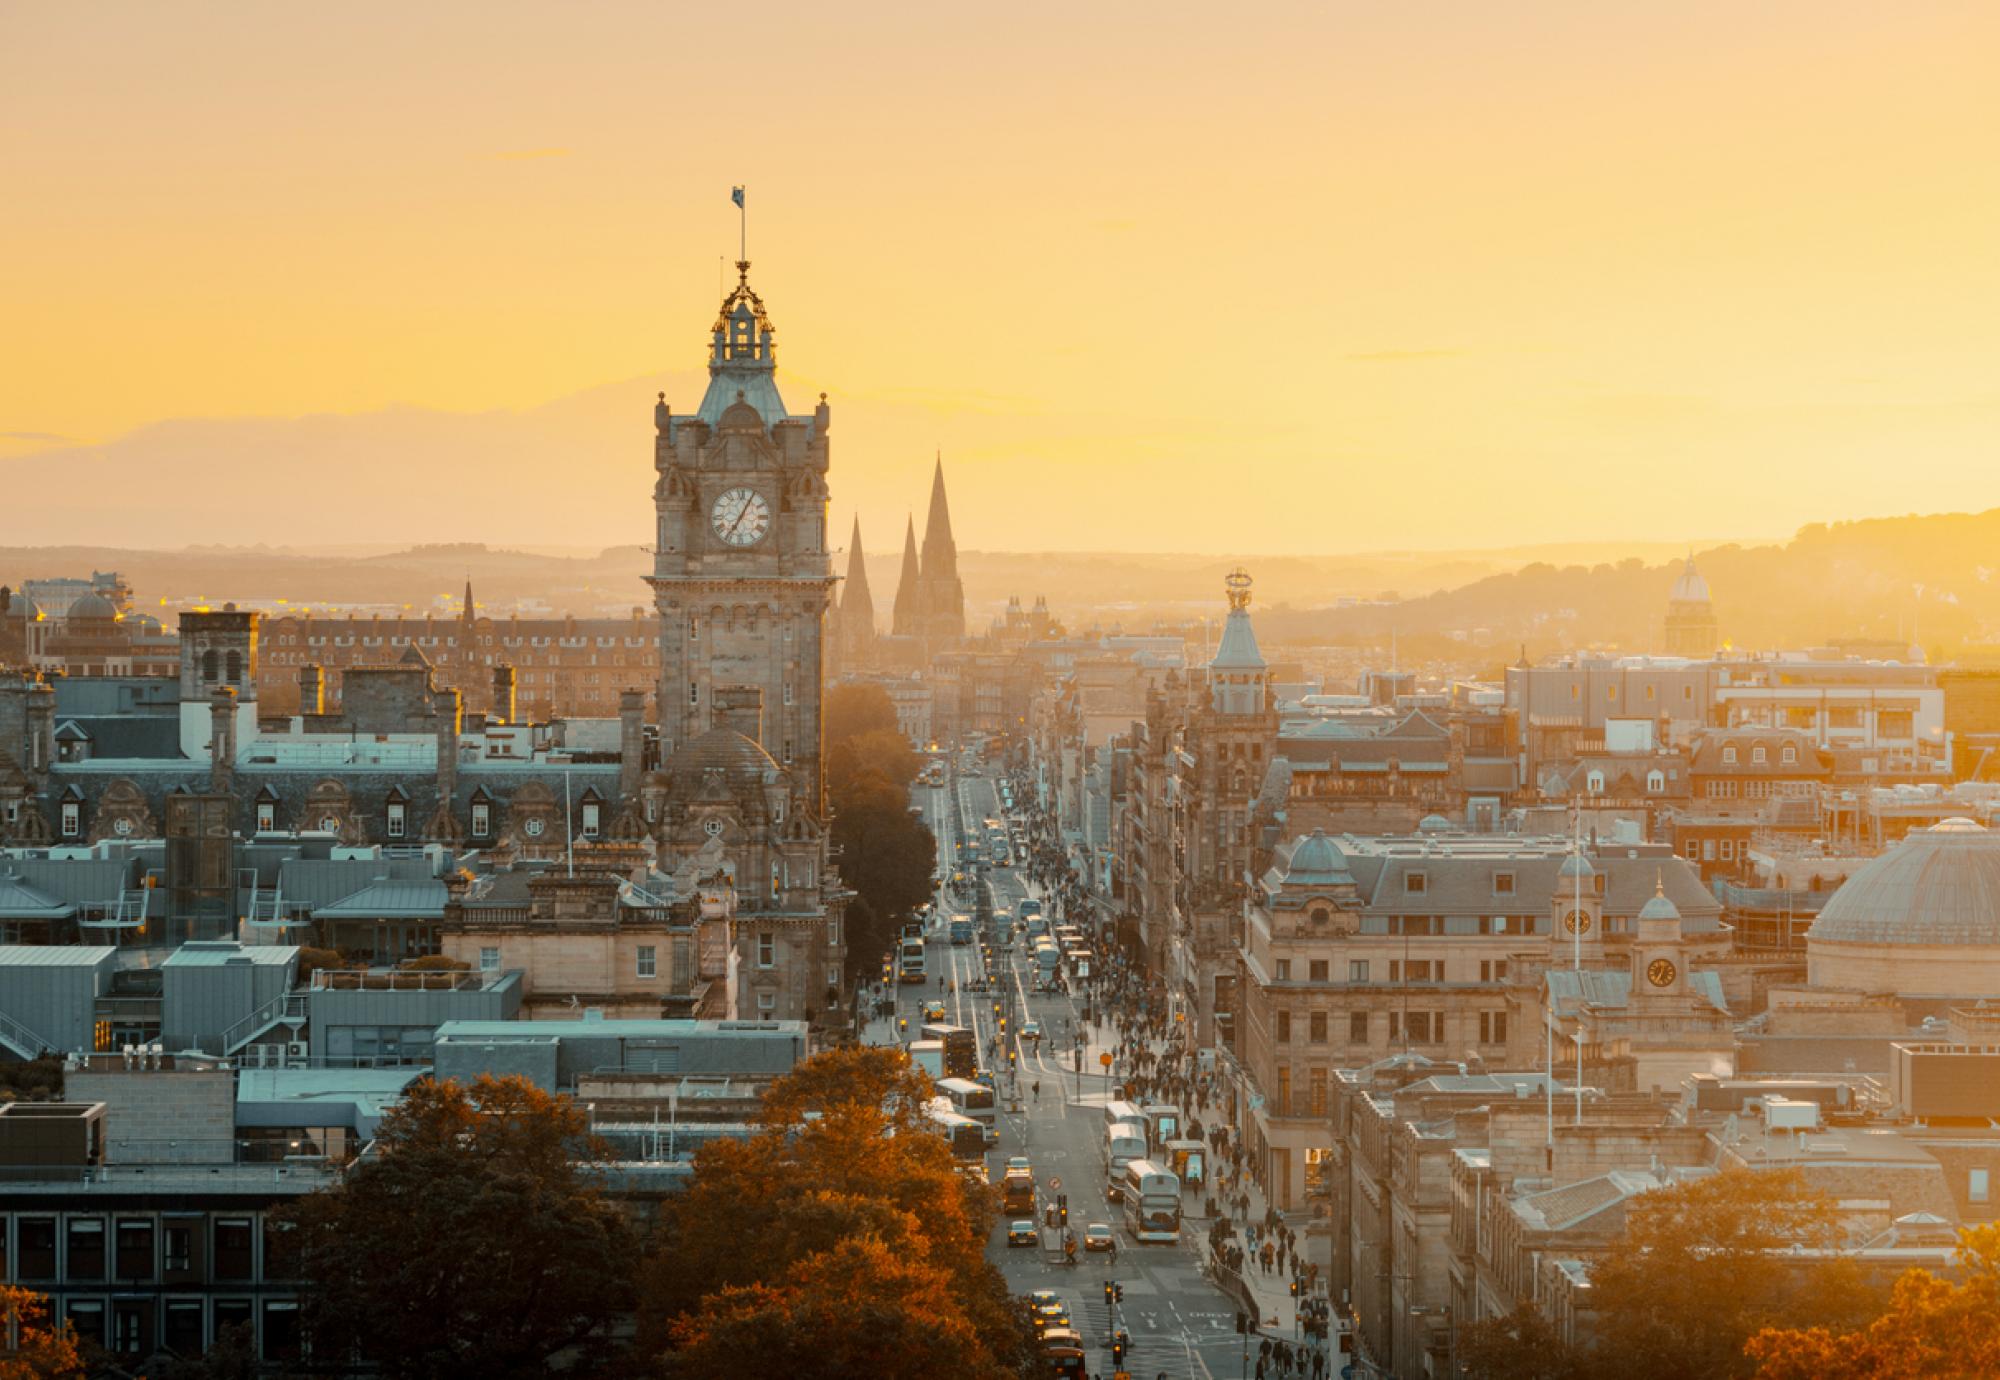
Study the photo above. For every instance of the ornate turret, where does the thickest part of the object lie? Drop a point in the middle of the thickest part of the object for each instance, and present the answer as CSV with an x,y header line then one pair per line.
x,y
742,357
1239,679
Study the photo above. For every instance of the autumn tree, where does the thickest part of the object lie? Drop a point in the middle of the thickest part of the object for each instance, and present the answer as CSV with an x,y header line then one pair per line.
x,y
758,1212
887,854
473,1242
1522,1345
1705,1264
1932,1329
31,1346
852,710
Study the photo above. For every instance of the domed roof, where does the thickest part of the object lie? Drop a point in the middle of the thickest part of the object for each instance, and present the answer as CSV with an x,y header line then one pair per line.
x,y
1316,859
1575,865
92,605
739,760
1689,586
1433,824
1938,886
1659,907
24,607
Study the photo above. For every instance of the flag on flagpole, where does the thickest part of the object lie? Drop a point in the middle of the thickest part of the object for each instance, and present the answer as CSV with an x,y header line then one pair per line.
x,y
736,196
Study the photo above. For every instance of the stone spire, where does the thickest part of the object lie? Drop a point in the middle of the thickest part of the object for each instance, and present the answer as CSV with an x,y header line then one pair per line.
x,y
857,605
943,601
907,619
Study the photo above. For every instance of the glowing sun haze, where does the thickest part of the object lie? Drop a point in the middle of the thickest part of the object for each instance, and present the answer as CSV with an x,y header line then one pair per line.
x,y
1267,277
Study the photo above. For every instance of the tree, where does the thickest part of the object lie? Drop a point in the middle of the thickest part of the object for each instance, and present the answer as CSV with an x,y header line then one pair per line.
x,y
887,855
1705,1264
474,1242
852,710
758,1209
857,1311
1932,1328
1520,1346
31,1347
875,1077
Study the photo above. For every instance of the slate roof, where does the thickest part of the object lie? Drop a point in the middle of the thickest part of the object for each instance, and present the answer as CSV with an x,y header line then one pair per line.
x,y
1610,989
316,882
386,900
141,737
21,901
1602,1199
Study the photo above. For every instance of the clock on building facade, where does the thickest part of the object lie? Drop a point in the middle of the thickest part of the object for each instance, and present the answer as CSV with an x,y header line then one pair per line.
x,y
1577,922
1661,972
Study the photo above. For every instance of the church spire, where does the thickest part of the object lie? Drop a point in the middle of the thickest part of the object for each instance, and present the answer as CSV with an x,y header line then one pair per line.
x,y
857,605
940,551
908,607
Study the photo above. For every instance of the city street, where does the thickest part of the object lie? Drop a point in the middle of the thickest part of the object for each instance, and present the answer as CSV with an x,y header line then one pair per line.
x,y
1180,1324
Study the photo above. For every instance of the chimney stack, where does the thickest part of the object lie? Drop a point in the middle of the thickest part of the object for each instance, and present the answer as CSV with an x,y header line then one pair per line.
x,y
503,694
221,738
312,688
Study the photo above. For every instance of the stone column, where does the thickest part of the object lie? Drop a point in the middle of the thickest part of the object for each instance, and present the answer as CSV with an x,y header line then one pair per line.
x,y
503,693
631,742
443,826
41,732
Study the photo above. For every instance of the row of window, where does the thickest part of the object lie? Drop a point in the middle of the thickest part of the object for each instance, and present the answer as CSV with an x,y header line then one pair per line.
x,y
1424,1027
1400,970
141,1250
1611,693
1417,882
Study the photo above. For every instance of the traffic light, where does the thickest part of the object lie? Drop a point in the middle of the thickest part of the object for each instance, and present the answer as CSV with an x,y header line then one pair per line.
x,y
1118,1352
1295,1288
1118,1291
1107,1293
1062,1209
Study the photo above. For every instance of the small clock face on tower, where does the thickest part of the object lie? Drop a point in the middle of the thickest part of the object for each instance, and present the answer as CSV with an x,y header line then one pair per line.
x,y
533,828
740,517
1577,922
1661,972
121,827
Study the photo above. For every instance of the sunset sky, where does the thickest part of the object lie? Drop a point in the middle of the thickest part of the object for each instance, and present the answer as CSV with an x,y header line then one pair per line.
x,y
1275,277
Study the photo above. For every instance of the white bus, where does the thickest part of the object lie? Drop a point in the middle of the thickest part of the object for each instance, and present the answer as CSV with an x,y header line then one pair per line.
x,y
1152,1202
974,1100
966,1137
1123,1143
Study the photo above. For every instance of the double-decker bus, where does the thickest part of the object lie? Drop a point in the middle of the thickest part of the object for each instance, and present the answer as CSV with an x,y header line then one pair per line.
x,y
1123,1143
961,1048
1152,1198
973,1100
910,963
966,1137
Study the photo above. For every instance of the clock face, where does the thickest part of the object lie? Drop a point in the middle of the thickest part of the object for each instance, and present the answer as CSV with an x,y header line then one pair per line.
x,y
330,825
712,827
533,828
1577,922
740,517
122,827
1660,972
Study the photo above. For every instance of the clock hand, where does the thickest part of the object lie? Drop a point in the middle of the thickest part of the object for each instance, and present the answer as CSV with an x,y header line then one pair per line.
x,y
741,513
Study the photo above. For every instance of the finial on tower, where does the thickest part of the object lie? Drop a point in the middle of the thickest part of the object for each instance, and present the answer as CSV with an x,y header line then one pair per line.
x,y
1237,585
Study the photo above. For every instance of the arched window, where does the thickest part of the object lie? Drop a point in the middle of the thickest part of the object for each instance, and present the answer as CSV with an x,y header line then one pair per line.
x,y
1758,755
1789,755
210,664
1594,783
234,661
1656,781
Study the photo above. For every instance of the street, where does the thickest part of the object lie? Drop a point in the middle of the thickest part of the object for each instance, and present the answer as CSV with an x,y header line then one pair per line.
x,y
1179,1323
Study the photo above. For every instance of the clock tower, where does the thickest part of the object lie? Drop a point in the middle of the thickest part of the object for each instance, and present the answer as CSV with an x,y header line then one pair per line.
x,y
1576,914
1659,959
741,572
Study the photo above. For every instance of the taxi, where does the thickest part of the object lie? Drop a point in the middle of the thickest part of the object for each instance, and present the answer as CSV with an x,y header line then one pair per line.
x,y
1021,1232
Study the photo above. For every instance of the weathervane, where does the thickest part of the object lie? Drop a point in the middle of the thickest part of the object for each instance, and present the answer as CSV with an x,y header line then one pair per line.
x,y
1237,582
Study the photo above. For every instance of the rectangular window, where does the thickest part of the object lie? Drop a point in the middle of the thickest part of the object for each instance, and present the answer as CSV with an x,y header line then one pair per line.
x,y
694,692
1284,1090
1284,970
1413,883
1503,884
832,926
183,1329
1284,1027
1726,848
1317,1028
767,1002
1319,970
833,975
234,1246
1357,970
396,819
1493,1027
1357,1027
37,1247
135,1250
72,819
767,949
281,1330
482,819
1979,1188
177,1249
489,959
1319,1092
590,815
87,1317
267,818
649,961
86,1248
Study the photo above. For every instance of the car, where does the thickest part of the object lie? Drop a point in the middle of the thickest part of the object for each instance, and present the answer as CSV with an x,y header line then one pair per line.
x,y
1021,1232
1019,1162
1049,1317
1037,1297
933,1010
1031,1030
1097,1237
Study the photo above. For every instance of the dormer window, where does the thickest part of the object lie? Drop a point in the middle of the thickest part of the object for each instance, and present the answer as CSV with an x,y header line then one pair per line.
x,y
1758,755
1319,915
1789,755
1414,883
1656,782
1594,783
1503,884
1729,755
778,811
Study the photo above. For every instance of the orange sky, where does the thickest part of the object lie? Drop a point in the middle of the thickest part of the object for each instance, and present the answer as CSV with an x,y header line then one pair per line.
x,y
1273,277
